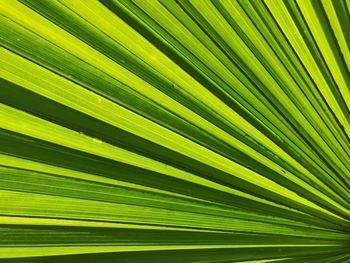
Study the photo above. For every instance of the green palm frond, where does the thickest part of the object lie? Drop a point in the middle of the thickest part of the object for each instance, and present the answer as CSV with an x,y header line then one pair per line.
x,y
174,131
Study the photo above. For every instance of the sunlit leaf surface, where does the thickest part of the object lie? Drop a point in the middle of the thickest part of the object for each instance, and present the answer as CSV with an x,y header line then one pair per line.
x,y
174,131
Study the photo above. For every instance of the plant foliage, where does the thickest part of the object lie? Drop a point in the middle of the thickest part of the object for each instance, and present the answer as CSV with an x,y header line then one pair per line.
x,y
174,131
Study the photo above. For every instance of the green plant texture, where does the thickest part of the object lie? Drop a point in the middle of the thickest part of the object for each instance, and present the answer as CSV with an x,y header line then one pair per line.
x,y
174,131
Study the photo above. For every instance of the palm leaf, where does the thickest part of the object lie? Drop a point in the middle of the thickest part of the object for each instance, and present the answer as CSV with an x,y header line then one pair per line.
x,y
174,131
